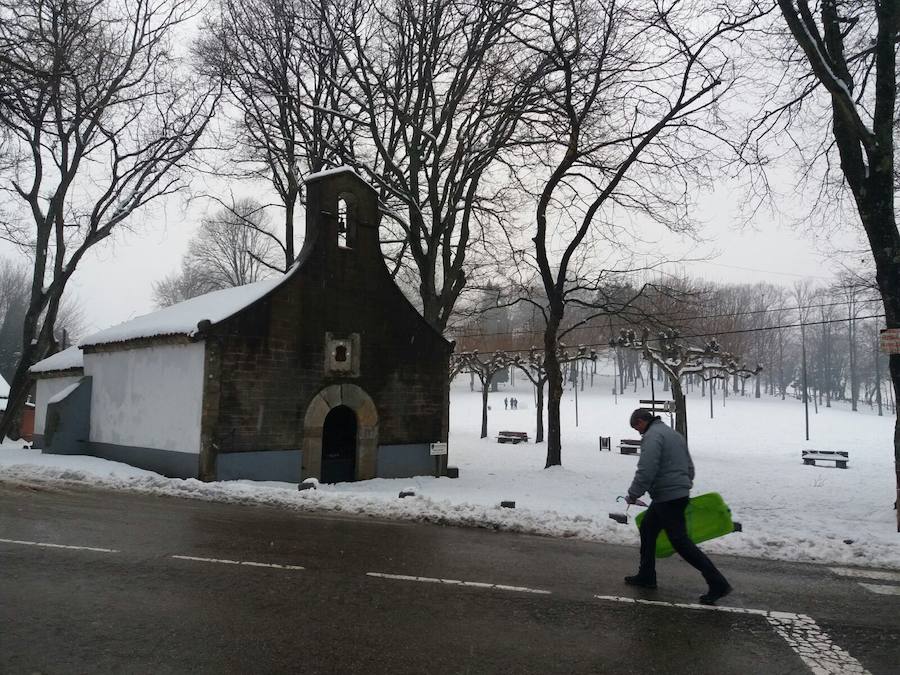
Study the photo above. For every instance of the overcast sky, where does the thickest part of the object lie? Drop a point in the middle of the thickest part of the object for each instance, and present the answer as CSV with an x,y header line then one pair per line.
x,y
114,282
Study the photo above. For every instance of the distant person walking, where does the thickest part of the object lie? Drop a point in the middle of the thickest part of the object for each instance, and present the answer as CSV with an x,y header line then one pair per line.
x,y
505,403
666,471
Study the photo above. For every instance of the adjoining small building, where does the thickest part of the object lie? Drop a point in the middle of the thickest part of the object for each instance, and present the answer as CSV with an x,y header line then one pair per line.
x,y
326,372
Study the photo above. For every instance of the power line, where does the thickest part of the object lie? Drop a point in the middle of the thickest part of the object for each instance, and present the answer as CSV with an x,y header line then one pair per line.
x,y
715,334
704,317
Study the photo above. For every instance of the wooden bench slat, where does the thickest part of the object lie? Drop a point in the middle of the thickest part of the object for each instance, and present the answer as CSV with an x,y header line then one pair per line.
x,y
839,457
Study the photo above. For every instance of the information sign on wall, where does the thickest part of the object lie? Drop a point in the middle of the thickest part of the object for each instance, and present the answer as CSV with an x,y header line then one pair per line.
x,y
438,448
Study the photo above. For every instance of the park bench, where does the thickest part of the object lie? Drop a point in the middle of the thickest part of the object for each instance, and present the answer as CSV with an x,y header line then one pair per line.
x,y
839,457
511,437
656,405
629,446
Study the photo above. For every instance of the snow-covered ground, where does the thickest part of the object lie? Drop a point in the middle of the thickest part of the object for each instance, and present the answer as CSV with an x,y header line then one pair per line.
x,y
749,452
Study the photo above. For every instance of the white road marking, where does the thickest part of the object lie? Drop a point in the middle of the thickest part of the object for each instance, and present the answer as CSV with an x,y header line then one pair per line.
x,y
684,605
866,574
65,546
249,563
800,631
881,589
456,582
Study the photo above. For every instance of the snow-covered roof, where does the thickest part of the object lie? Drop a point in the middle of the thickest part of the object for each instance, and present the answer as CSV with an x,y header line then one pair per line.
x,y
64,360
332,172
182,318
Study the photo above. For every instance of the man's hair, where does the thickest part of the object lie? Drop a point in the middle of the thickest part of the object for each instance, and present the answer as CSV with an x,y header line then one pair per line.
x,y
641,414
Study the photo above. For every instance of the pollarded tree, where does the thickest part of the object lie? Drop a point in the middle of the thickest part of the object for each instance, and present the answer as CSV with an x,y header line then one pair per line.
x,y
484,368
676,359
100,119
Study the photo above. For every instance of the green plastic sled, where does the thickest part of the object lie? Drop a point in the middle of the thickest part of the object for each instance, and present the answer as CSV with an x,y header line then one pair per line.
x,y
706,516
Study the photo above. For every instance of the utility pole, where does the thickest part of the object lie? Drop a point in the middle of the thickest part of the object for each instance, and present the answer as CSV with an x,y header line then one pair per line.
x,y
805,390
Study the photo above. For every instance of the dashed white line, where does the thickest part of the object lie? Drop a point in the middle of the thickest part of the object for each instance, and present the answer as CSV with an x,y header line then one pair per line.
x,y
42,544
800,631
881,589
457,582
865,574
249,563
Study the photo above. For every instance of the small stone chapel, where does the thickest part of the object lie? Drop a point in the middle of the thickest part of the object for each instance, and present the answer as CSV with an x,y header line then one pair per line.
x,y
326,372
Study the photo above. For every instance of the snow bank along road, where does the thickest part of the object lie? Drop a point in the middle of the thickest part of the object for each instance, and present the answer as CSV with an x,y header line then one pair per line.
x,y
110,581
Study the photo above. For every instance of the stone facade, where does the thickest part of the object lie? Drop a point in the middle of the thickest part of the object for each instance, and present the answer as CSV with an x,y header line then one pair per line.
x,y
338,331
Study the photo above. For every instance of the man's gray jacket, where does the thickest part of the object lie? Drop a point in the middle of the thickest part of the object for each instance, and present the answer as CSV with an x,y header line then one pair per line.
x,y
665,468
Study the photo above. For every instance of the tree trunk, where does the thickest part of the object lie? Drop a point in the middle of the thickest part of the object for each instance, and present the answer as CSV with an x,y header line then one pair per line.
x,y
289,207
854,375
781,384
554,390
539,405
878,378
485,386
895,377
681,425
756,391
827,366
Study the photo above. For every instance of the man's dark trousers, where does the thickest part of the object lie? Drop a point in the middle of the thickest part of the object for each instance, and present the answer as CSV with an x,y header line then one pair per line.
x,y
669,516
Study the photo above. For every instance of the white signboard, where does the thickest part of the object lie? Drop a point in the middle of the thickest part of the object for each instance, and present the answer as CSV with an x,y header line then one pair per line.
x,y
438,448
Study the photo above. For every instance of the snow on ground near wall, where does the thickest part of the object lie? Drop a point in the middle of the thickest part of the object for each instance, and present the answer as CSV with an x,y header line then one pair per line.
x,y
749,452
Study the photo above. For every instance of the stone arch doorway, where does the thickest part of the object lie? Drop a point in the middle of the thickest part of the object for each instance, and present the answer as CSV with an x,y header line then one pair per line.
x,y
339,445
358,403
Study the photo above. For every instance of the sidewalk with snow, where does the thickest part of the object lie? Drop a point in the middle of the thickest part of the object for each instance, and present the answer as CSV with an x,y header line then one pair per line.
x,y
749,452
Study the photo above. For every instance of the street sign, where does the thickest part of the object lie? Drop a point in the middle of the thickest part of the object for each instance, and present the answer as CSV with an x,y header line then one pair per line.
x,y
438,448
890,340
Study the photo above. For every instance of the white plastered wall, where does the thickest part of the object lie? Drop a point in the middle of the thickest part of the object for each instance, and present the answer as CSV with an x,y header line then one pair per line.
x,y
148,398
46,389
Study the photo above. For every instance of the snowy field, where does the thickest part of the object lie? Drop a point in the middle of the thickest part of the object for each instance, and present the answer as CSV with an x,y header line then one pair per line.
x,y
749,452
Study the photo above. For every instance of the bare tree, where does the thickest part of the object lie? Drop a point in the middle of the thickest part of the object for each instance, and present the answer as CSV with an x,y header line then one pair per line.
x,y
438,91
277,62
231,248
101,120
623,107
843,55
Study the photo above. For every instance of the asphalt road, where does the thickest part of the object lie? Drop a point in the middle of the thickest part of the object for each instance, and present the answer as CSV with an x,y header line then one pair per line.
x,y
163,585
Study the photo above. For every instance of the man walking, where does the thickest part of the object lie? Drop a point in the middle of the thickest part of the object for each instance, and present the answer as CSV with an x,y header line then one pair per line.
x,y
666,471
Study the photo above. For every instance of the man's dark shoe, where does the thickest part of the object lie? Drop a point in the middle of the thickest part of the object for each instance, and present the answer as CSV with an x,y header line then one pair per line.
x,y
640,581
715,594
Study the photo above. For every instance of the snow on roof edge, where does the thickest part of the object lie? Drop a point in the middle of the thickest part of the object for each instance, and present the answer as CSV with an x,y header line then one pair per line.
x,y
67,359
335,171
182,318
